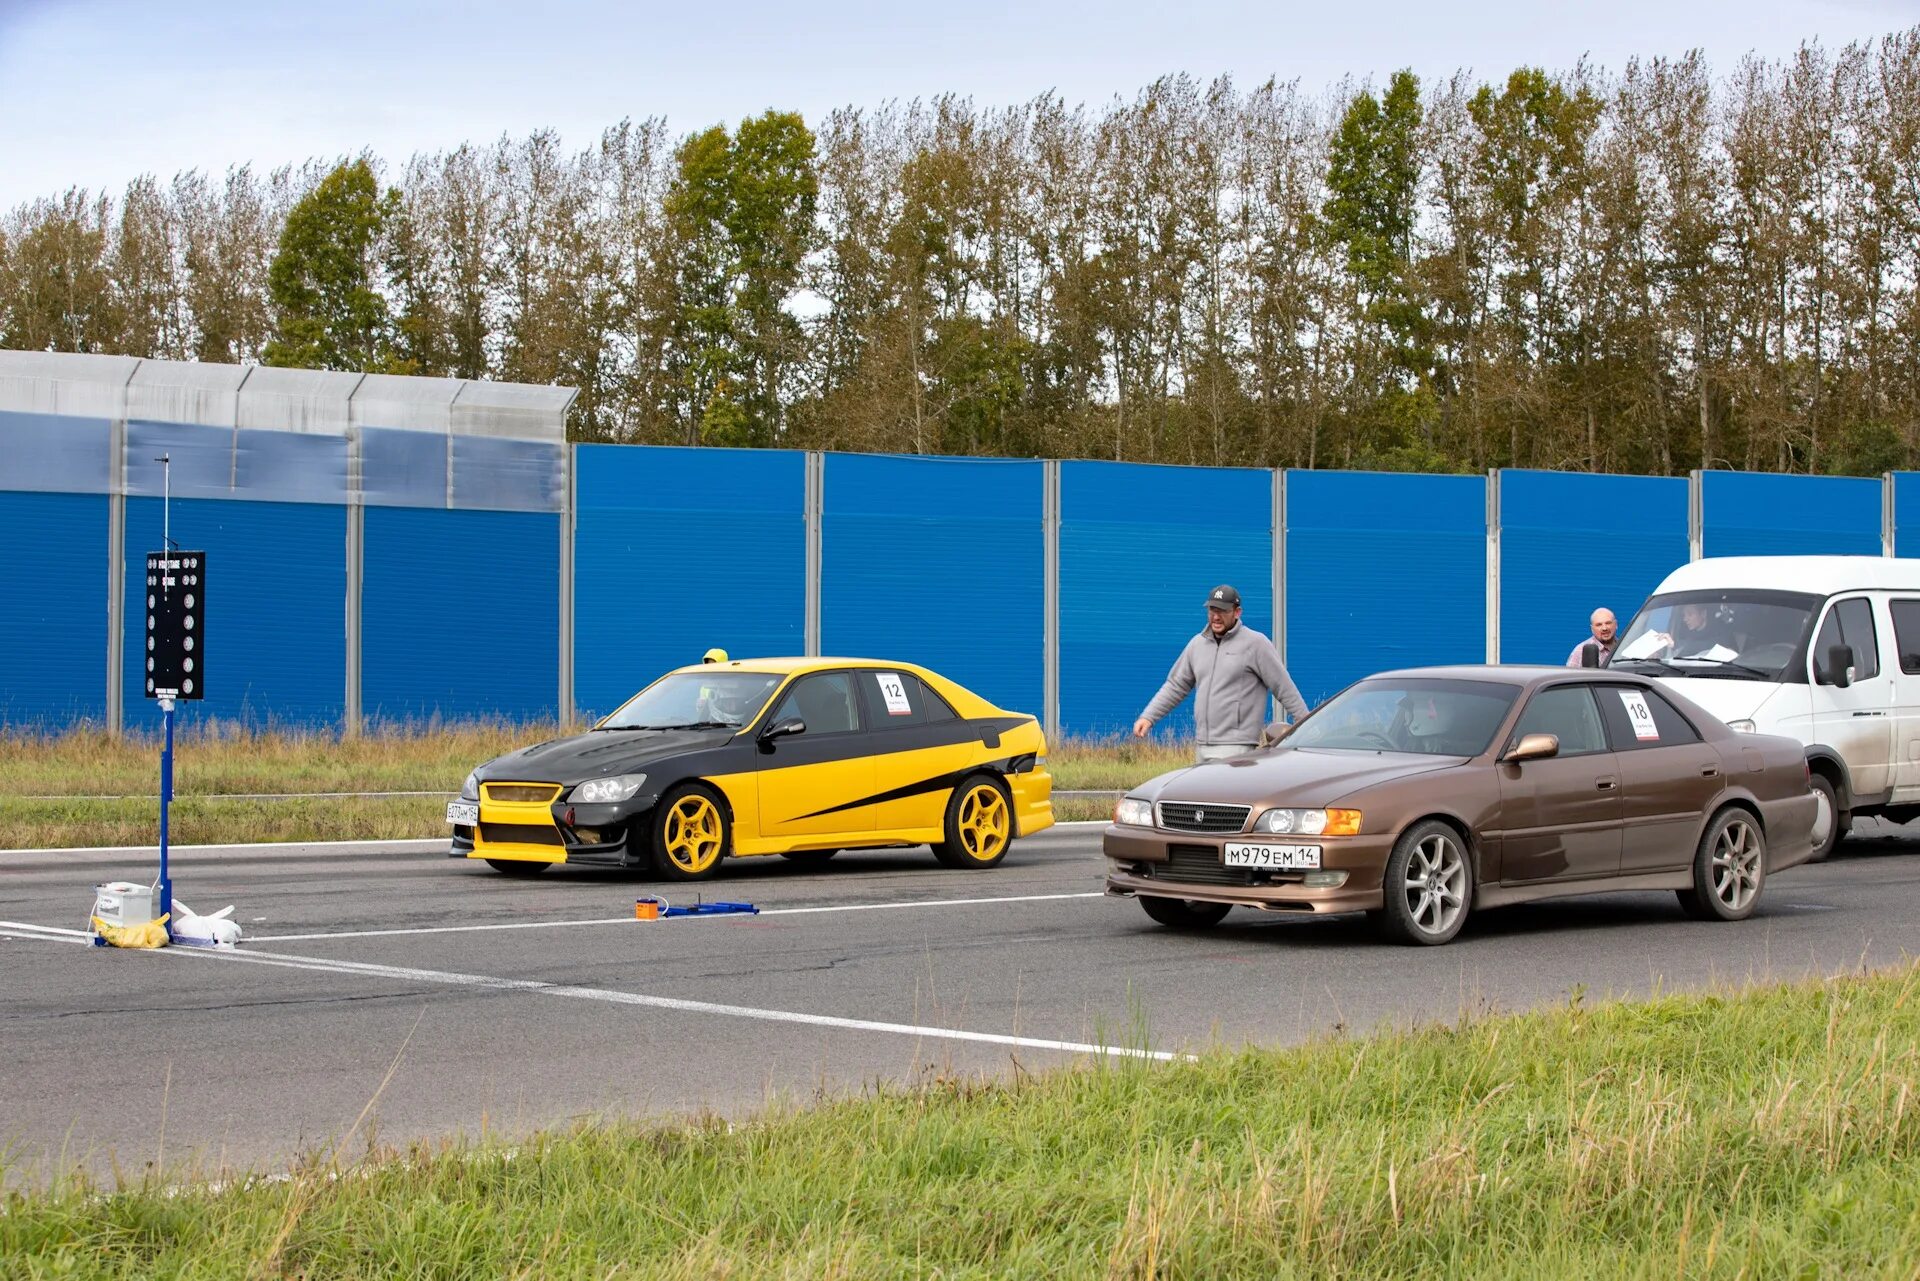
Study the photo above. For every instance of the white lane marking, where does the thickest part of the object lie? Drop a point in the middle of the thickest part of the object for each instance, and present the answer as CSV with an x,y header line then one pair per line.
x,y
627,920
539,988
36,934
45,929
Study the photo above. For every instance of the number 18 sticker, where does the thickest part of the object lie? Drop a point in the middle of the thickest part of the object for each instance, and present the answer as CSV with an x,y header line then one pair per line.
x,y
1640,715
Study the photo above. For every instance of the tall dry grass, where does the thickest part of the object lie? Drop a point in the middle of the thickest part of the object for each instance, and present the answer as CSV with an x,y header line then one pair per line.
x,y
1766,1133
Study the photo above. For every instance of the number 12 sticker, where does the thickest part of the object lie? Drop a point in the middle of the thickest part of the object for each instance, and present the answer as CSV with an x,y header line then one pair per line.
x,y
894,691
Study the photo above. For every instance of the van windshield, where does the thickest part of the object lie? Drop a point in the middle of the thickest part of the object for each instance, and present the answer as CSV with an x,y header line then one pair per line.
x,y
1733,633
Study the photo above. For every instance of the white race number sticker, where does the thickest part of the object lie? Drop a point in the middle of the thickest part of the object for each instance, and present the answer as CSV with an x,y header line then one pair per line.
x,y
1639,715
894,691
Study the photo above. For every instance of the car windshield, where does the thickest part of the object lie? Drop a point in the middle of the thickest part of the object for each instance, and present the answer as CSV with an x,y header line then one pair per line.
x,y
696,700
1433,716
1745,634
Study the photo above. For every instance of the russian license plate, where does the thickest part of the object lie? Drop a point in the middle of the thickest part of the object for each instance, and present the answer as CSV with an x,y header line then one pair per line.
x,y
1272,855
464,812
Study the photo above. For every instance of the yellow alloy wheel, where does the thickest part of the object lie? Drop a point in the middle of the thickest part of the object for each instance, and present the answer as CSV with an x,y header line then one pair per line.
x,y
693,835
983,824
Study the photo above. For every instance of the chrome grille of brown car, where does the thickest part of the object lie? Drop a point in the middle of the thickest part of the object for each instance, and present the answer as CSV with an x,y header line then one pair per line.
x,y
1199,865
1193,816
538,792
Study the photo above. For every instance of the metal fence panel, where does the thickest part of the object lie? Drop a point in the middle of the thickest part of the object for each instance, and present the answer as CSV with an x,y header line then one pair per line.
x,y
1571,542
53,629
52,454
1383,571
1906,512
938,561
1761,514
1140,547
275,613
680,550
460,614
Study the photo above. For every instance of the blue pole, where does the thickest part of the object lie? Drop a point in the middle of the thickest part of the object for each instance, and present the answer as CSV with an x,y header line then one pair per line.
x,y
164,904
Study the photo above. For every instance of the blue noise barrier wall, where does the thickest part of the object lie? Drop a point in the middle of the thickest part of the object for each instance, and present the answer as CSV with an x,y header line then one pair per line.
x,y
460,614
53,627
54,475
1906,513
1382,571
1140,547
1755,514
276,609
938,561
677,551
1571,543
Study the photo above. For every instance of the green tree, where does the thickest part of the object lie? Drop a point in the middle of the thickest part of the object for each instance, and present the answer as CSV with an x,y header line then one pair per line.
x,y
328,314
1373,180
741,209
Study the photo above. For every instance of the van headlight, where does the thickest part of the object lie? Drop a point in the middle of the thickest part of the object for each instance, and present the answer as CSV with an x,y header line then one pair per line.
x,y
601,791
1309,822
1133,812
1745,727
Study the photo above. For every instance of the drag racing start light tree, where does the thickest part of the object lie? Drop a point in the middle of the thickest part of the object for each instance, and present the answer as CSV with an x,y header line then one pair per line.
x,y
176,653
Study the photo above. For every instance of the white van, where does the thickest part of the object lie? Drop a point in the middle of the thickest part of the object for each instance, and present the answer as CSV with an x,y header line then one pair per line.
x,y
1825,649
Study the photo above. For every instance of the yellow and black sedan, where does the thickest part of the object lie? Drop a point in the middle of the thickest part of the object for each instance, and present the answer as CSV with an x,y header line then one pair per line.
x,y
801,757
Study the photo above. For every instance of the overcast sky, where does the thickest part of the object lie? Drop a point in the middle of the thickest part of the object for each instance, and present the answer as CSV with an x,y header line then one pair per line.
x,y
94,92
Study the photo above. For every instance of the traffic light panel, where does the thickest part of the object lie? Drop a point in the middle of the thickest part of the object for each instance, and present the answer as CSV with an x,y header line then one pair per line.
x,y
176,624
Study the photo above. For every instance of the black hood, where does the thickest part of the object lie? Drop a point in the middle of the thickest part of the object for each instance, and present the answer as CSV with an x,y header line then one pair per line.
x,y
596,754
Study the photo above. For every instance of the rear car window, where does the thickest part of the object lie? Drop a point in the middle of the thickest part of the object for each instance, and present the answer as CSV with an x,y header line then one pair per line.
x,y
1639,718
1906,633
895,699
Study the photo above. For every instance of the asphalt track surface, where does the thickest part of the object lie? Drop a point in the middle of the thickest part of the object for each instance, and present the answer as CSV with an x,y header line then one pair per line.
x,y
456,1001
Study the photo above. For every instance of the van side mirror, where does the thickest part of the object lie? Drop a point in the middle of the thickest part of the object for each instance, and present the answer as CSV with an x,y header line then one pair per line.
x,y
783,729
1533,747
1839,667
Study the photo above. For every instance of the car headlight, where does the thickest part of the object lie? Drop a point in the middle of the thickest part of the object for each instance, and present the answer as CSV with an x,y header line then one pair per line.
x,y
599,791
1745,727
1309,822
1134,812
470,790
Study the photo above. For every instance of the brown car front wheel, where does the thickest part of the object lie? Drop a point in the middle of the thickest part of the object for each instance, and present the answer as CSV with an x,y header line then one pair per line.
x,y
1429,885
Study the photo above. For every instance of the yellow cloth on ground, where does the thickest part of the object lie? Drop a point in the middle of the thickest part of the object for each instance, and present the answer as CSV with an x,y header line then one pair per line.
x,y
152,934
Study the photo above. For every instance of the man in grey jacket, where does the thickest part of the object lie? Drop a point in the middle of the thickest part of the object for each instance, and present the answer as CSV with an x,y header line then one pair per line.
x,y
1229,669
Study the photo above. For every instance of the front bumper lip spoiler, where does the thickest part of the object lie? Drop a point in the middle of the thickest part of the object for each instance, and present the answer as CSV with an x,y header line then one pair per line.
x,y
1289,899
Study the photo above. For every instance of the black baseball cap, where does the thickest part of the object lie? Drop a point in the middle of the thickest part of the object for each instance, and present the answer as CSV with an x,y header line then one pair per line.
x,y
1223,597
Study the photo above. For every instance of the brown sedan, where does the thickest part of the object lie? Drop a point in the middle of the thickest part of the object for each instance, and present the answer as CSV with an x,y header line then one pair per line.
x,y
1419,795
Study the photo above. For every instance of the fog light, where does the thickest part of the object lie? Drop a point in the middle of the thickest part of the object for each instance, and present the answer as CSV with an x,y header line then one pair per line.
x,y
1324,880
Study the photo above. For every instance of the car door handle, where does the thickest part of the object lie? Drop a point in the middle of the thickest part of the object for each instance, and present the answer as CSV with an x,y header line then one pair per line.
x,y
1709,771
1605,784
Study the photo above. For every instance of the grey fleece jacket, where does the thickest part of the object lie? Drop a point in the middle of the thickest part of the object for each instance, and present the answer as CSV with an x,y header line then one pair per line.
x,y
1229,679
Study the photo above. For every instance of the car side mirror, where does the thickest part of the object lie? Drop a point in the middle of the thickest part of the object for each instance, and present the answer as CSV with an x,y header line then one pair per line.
x,y
1533,747
1839,667
783,729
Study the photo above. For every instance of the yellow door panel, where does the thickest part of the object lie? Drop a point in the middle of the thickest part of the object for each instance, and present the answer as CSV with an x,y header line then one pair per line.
x,y
814,798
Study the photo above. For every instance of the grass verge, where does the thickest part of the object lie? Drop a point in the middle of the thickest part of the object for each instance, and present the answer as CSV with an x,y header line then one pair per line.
x,y
1773,1132
88,788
